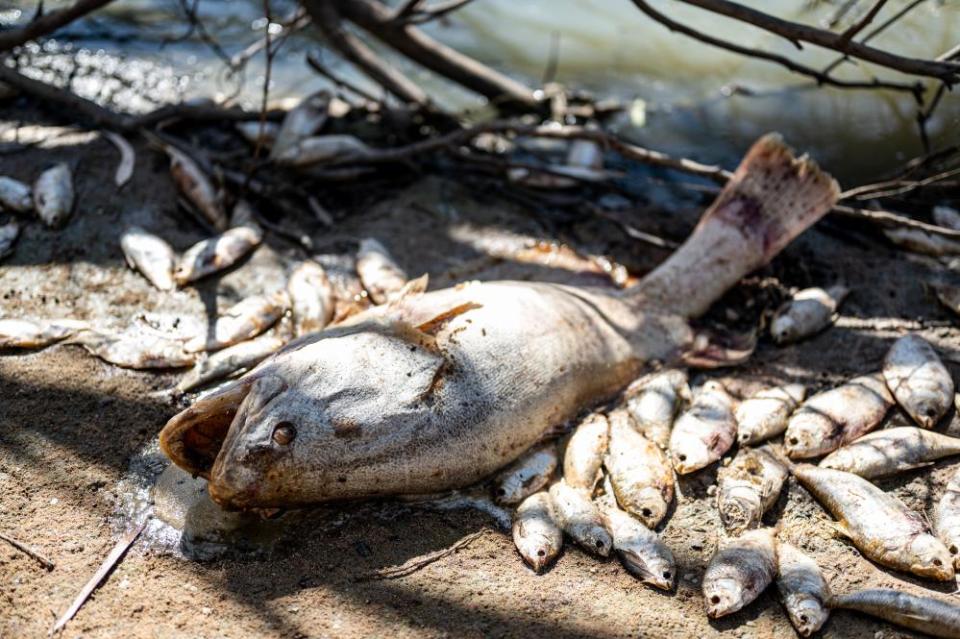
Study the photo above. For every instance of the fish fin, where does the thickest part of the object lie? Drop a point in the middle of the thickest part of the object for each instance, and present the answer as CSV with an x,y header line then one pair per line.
x,y
841,530
436,324
903,467
413,288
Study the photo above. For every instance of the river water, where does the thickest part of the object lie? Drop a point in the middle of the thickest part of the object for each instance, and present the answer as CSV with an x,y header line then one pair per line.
x,y
688,98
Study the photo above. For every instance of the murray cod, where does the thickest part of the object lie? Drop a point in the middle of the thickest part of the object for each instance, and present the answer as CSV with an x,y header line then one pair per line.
x,y
435,391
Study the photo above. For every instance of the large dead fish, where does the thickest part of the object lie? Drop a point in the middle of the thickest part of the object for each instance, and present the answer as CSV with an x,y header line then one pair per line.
x,y
890,451
705,431
23,333
802,589
245,319
439,390
918,379
654,400
880,525
641,477
928,615
748,487
216,253
53,195
739,571
150,255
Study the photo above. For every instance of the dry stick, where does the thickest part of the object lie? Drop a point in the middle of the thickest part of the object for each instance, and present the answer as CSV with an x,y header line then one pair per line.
x,y
863,22
950,54
886,24
417,563
313,59
428,14
48,23
108,564
46,563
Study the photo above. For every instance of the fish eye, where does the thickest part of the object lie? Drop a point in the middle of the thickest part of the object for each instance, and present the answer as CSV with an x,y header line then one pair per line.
x,y
283,433
541,552
715,599
937,562
682,457
953,549
666,574
646,512
930,412
803,618
794,441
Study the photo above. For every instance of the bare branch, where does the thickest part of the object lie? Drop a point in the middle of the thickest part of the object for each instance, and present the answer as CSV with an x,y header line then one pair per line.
x,y
405,9
863,22
886,24
434,12
313,59
48,23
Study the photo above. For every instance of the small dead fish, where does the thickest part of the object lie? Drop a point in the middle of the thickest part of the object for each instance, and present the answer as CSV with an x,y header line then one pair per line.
x,y
196,187
832,418
151,255
230,360
947,217
877,523
245,319
128,158
639,472
809,312
705,431
348,292
22,333
583,459
529,474
946,521
254,133
653,402
928,615
739,571
640,549
536,535
302,121
765,414
802,589
917,241
216,253
918,379
378,271
891,451
9,233
748,487
134,348
578,516
53,195
15,195
322,148
311,297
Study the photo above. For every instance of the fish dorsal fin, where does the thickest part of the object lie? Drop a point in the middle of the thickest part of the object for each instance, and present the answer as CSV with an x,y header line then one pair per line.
x,y
413,288
434,325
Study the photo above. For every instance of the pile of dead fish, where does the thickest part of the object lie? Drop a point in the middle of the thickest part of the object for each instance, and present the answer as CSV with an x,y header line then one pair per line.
x,y
618,479
51,198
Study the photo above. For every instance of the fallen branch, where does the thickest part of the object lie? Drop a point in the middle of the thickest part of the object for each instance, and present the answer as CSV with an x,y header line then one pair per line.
x,y
863,22
48,23
428,14
27,550
418,563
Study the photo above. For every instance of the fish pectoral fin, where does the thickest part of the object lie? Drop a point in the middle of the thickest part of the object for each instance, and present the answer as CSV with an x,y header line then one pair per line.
x,y
435,324
903,467
412,288
841,530
923,618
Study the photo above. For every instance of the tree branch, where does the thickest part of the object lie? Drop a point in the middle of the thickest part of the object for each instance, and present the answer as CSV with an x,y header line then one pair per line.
x,y
863,22
48,23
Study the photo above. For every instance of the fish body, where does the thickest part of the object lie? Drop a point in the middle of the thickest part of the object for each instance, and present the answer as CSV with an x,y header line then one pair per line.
x,y
739,571
639,472
322,148
536,534
705,431
918,379
216,253
15,195
807,313
529,474
579,517
311,297
927,615
256,132
947,217
245,319
880,525
53,195
890,451
834,417
302,121
150,255
378,271
748,487
134,348
653,402
803,590
640,549
197,188
9,233
765,414
946,521
230,360
583,459
919,241
22,333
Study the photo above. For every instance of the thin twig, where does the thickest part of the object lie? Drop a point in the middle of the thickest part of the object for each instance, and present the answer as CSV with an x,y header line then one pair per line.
x,y
434,12
313,59
863,22
27,550
418,563
886,24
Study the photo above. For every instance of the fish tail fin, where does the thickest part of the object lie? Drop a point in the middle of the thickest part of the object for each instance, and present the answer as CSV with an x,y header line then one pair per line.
x,y
772,197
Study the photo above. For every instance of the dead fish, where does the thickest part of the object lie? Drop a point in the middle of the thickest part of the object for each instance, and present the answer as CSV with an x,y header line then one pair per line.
x,y
840,415
135,348
765,414
809,312
586,154
378,271
53,195
890,451
528,475
583,459
918,379
639,472
128,158
947,217
302,121
230,360
946,521
748,487
9,233
927,615
739,571
23,333
880,525
918,241
256,132
579,517
196,188
348,292
323,148
640,549
653,402
311,297
536,535
705,431
245,319
150,255
216,253
15,195
803,591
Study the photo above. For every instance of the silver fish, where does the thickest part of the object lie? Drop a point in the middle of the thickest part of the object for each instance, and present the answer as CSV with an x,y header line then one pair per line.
x,y
311,297
53,195
245,319
536,535
705,431
928,615
22,333
302,121
947,217
15,195
654,400
890,451
128,158
580,518
829,419
585,153
135,348
150,255
322,148
918,379
216,253
230,360
748,487
802,589
583,459
809,312
378,271
196,188
946,521
765,414
254,133
9,233
739,571
880,525
640,549
639,472
529,474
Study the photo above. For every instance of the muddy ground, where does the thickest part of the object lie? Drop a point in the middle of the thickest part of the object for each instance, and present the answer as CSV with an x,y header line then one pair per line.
x,y
70,425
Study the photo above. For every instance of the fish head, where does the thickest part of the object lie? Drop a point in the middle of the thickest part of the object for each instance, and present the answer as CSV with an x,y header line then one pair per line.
x,y
930,558
784,329
536,550
807,614
928,407
740,508
690,454
333,415
649,505
724,596
657,569
810,433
